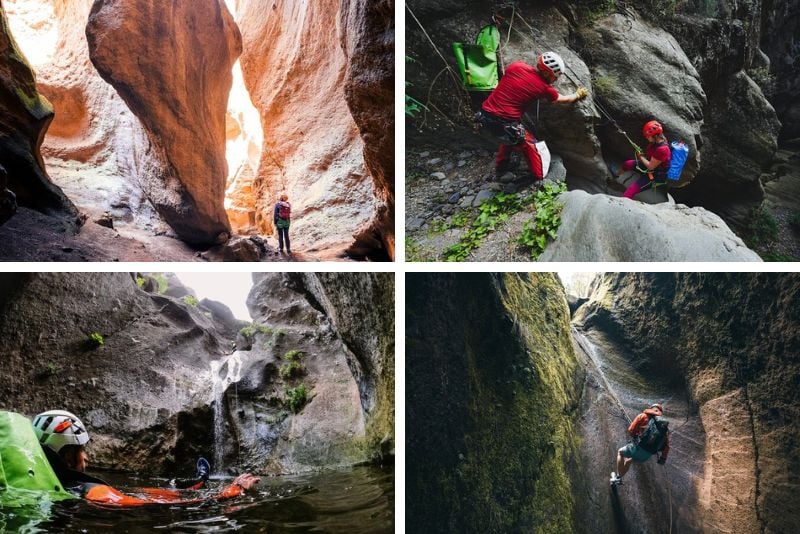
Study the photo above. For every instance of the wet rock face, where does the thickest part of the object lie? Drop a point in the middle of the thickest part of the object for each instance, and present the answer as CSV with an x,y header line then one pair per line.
x,y
327,431
177,84
367,332
731,338
296,72
139,391
24,117
604,228
488,438
367,34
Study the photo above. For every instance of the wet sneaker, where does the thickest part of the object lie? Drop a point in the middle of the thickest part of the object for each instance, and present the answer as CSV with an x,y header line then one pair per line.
x,y
615,479
203,468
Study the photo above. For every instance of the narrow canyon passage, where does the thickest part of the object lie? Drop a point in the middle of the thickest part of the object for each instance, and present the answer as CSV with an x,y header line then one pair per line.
x,y
652,498
520,391
229,105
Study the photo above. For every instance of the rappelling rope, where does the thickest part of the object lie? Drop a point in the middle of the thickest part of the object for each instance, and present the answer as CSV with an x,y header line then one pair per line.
x,y
448,68
622,408
602,376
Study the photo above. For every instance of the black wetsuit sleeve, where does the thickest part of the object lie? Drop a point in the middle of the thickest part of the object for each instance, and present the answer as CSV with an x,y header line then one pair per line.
x,y
69,478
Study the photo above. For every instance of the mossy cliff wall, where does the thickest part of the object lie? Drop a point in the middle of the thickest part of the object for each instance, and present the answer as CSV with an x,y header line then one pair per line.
x,y
490,378
733,338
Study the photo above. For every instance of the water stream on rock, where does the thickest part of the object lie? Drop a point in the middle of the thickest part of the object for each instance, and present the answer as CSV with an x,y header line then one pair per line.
x,y
219,386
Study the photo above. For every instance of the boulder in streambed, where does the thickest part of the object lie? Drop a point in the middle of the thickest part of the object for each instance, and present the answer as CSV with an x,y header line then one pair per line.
x,y
604,228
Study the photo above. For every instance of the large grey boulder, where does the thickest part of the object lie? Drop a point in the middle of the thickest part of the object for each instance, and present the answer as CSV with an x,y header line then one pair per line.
x,y
603,228
642,73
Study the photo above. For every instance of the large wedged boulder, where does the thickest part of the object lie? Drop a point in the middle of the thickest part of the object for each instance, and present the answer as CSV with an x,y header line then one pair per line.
x,y
177,84
642,73
94,145
603,228
367,35
295,70
24,118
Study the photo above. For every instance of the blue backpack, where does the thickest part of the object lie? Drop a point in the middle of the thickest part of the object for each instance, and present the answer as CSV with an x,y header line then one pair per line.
x,y
680,153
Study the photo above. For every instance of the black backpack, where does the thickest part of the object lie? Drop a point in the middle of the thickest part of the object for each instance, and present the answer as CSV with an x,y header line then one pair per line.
x,y
654,438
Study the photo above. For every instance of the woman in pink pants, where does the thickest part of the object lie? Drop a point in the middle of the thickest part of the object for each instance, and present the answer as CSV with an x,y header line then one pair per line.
x,y
655,159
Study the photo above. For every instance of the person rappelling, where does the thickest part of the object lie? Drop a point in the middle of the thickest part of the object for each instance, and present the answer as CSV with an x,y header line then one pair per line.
x,y
652,165
650,433
501,113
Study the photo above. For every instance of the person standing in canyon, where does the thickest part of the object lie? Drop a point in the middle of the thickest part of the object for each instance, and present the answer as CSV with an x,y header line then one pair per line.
x,y
282,219
650,433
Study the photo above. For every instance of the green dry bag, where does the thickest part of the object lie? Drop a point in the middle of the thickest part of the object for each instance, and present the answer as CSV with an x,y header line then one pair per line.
x,y
478,62
25,474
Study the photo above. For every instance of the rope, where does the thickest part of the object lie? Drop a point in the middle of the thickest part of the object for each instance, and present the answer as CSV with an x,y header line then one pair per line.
x,y
605,382
669,492
622,408
595,100
449,68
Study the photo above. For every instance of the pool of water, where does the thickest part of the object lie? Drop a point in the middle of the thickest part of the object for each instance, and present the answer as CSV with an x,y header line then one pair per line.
x,y
357,500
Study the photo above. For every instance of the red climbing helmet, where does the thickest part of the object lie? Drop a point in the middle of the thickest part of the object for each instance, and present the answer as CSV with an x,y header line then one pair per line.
x,y
652,128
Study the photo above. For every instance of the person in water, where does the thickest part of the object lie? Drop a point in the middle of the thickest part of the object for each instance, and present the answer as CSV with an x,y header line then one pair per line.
x,y
64,437
654,163
650,433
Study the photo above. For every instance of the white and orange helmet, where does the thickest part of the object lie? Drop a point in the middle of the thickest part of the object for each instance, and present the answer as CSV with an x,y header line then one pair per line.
x,y
57,428
551,65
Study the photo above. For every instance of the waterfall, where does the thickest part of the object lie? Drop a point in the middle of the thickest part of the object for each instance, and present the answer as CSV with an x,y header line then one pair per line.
x,y
219,385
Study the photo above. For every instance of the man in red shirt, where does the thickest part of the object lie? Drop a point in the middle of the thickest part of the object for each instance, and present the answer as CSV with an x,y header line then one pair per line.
x,y
501,113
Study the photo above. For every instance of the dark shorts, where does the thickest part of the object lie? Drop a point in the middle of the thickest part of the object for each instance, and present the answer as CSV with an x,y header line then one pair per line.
x,y
635,452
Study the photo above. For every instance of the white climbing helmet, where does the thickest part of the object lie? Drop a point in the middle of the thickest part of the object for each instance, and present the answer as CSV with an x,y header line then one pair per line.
x,y
551,64
57,428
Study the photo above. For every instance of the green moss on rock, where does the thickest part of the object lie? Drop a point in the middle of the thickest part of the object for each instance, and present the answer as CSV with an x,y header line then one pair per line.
x,y
490,389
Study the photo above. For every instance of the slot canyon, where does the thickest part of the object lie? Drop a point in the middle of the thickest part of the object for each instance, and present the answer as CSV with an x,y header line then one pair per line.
x,y
145,131
521,388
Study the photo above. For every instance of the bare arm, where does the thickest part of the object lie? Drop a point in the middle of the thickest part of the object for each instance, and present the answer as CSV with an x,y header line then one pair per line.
x,y
579,94
649,164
